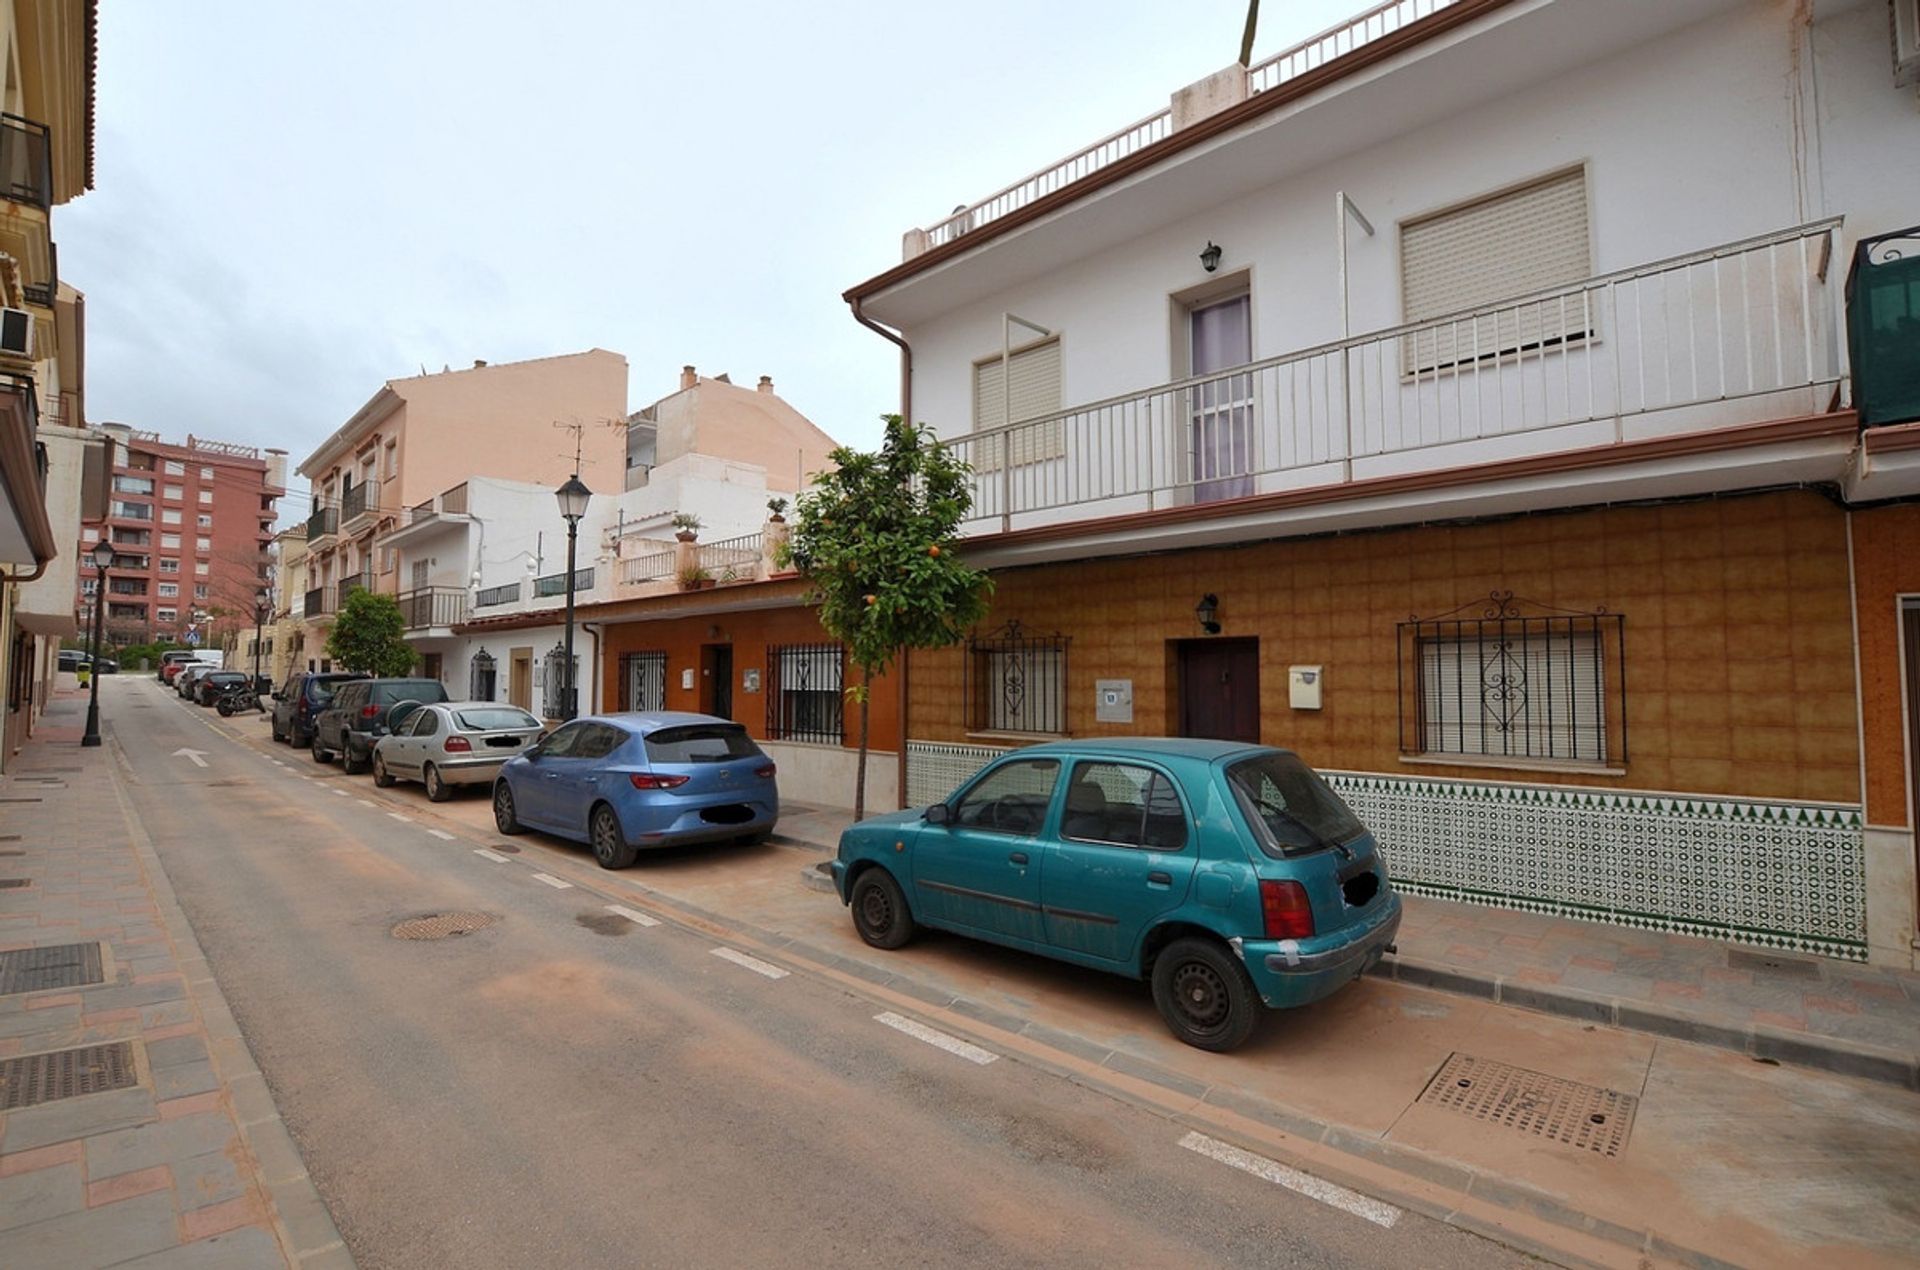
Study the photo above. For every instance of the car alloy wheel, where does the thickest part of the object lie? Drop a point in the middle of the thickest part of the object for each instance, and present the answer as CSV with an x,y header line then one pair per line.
x,y
504,818
381,776
437,789
610,846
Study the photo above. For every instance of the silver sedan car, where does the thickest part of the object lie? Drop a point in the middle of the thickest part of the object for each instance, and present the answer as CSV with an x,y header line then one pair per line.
x,y
453,743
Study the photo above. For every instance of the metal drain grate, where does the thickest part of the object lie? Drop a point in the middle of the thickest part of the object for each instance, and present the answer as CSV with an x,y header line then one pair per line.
x,y
32,1079
443,925
55,966
14,884
1583,1116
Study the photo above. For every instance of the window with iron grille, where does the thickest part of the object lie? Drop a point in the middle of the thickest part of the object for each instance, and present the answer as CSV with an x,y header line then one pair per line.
x,y
481,677
1017,682
643,681
554,690
1547,685
804,701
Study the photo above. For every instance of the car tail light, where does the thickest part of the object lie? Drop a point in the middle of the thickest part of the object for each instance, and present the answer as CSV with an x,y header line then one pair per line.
x,y
458,745
369,712
1285,911
765,773
652,780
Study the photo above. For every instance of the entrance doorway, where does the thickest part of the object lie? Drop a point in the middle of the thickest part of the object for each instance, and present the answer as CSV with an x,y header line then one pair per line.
x,y
432,665
520,678
716,680
1219,688
1220,412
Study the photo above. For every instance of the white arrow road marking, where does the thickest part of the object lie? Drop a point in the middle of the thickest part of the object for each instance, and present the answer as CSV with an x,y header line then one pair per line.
x,y
198,756
951,1044
754,964
553,881
441,834
1293,1179
494,856
633,915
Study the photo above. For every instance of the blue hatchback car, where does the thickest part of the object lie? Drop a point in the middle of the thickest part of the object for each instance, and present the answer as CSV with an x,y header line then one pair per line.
x,y
1227,875
620,782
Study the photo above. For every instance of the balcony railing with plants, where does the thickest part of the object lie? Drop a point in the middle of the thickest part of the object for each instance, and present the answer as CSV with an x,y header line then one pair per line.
x,y
433,606
1739,333
731,559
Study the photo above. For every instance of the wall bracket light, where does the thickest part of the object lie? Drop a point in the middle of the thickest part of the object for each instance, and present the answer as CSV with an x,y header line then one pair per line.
x,y
1210,256
1208,610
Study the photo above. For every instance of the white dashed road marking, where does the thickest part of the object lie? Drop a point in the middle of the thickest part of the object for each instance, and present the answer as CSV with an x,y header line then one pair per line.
x,y
441,834
754,964
405,820
494,856
1293,1179
633,915
951,1044
343,793
364,802
553,881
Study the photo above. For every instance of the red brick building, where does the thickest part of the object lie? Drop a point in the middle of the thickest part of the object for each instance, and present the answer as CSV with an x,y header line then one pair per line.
x,y
190,523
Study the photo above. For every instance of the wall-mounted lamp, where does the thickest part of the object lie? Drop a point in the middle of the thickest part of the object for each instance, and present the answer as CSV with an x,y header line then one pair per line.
x,y
1210,257
1207,610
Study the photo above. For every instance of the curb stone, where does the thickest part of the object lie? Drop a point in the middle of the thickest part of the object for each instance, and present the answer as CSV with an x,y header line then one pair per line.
x,y
1822,1053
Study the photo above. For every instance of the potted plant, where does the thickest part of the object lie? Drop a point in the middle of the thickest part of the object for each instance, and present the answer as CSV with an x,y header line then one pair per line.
x,y
777,511
694,578
686,526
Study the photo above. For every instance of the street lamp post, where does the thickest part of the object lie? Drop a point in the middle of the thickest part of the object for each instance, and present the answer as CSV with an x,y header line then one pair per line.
x,y
102,556
261,600
573,498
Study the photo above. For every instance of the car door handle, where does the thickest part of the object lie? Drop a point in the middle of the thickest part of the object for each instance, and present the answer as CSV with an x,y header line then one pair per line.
x,y
1159,878
1018,857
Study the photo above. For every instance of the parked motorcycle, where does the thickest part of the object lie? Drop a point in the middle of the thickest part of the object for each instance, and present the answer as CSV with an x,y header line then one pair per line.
x,y
242,696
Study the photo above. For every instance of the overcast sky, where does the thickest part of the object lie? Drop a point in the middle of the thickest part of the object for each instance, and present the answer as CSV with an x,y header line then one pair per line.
x,y
296,202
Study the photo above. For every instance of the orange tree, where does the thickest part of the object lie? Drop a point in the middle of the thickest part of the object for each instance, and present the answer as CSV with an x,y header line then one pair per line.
x,y
874,537
369,636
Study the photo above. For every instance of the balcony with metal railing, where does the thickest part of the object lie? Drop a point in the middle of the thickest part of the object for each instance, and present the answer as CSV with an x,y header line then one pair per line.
x,y
732,559
1746,332
556,583
322,524
433,607
357,507
26,162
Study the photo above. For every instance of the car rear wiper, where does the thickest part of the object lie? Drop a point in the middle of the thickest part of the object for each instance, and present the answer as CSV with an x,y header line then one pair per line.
x,y
1320,840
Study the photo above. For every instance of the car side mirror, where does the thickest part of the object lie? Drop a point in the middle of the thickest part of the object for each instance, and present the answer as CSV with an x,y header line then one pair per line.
x,y
939,814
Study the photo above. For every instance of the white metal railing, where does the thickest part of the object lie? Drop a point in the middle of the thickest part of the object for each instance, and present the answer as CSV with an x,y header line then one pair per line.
x,y
731,558
1288,64
1739,333
651,567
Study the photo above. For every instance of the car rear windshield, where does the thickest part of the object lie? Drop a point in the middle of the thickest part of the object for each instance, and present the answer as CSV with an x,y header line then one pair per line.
x,y
320,691
700,743
225,677
1290,808
425,690
498,717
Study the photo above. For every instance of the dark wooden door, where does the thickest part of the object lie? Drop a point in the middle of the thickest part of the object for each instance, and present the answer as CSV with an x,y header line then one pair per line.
x,y
716,680
1220,689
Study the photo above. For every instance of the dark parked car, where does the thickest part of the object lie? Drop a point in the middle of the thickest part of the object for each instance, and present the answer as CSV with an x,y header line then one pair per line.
x,y
188,676
208,687
74,658
173,662
300,701
1228,876
620,782
364,710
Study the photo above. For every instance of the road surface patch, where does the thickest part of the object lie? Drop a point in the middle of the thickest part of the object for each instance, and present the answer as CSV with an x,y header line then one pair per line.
x,y
633,915
494,856
1326,1192
553,881
938,1039
754,964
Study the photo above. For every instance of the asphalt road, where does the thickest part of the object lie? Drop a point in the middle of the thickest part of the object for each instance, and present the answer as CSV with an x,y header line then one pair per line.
x,y
567,1086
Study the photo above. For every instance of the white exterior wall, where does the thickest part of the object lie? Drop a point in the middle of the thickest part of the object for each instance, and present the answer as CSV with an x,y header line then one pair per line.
x,y
1687,143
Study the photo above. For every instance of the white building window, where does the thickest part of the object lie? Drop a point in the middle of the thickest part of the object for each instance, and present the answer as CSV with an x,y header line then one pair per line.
x,y
392,468
206,496
174,467
171,541
169,515
176,492
1028,387
202,568
169,590
204,521
206,473
164,616
1512,244
200,591
90,535
203,544
169,566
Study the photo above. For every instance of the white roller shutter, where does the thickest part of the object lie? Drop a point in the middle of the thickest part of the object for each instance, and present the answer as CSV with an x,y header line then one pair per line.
x,y
1526,240
1542,697
1035,376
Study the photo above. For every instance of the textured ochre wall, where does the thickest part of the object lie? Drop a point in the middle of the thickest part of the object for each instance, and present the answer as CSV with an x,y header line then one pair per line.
x,y
1886,551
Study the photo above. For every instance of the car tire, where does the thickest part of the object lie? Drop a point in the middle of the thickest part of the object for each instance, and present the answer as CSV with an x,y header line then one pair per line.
x,y
505,818
273,726
1205,994
438,791
381,776
321,754
350,763
880,912
610,846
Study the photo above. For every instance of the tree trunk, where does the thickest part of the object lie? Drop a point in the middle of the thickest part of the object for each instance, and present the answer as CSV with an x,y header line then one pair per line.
x,y
860,777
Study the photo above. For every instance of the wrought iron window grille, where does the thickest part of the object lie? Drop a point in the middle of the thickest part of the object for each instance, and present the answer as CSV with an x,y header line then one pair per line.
x,y
482,677
1515,680
804,694
1016,682
643,681
553,698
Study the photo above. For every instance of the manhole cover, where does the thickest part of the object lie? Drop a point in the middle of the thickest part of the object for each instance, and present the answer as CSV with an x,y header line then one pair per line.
x,y
14,884
1772,963
36,1078
1541,1106
55,966
443,925
506,848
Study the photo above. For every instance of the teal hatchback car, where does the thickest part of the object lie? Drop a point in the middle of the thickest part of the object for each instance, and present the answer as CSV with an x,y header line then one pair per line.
x,y
1226,875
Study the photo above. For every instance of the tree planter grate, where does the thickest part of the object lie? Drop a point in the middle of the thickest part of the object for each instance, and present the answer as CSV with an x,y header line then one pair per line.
x,y
1541,1106
32,1079
443,925
55,966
